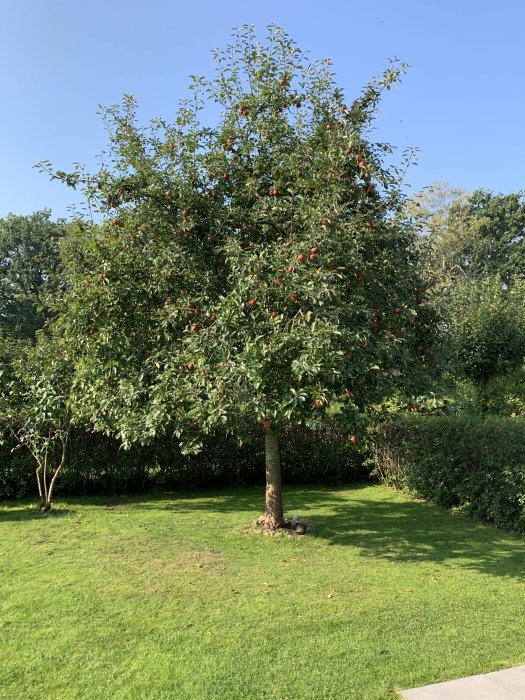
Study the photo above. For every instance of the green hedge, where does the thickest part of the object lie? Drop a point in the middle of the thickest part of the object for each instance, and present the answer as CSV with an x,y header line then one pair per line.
x,y
459,461
97,465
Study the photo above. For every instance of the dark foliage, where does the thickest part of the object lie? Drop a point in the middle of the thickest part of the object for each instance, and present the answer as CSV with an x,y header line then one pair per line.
x,y
461,462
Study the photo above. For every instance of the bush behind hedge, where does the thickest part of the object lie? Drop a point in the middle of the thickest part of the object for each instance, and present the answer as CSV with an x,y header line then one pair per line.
x,y
96,464
459,461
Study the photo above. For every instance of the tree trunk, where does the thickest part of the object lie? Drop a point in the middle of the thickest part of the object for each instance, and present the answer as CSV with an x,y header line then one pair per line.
x,y
273,513
483,381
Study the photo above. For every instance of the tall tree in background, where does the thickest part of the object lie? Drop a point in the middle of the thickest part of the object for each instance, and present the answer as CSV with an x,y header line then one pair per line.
x,y
256,272
470,235
498,248
29,267
486,330
475,252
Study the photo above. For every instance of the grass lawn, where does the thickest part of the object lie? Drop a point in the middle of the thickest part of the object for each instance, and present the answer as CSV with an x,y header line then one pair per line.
x,y
168,597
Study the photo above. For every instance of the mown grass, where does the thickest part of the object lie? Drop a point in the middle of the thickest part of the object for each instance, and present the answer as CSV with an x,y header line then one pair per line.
x,y
168,597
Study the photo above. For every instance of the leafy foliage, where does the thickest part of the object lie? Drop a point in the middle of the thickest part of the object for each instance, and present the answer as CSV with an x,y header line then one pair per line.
x,y
254,271
470,235
499,245
462,462
33,409
29,271
486,327
96,464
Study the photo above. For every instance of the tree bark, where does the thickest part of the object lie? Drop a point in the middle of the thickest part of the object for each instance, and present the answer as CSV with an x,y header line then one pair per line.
x,y
273,513
483,381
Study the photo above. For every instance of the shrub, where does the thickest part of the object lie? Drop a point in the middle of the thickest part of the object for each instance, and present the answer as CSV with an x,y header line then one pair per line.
x,y
97,464
459,461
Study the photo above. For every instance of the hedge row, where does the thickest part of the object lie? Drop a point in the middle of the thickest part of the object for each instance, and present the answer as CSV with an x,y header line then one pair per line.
x,y
459,461
97,465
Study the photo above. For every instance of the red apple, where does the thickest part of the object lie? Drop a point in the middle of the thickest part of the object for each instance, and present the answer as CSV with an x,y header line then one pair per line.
x,y
318,403
360,274
397,310
252,302
274,314
283,81
314,251
190,366
301,258
312,257
290,269
350,394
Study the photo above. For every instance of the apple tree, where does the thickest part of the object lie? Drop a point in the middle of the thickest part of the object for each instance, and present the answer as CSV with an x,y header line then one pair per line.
x,y
253,264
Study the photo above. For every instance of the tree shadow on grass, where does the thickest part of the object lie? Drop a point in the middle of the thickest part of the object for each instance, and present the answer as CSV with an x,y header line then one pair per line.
x,y
388,528
415,532
22,513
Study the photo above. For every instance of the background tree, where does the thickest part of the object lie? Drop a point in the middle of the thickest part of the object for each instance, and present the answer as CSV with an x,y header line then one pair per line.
x,y
499,223
469,235
29,271
486,330
33,408
259,271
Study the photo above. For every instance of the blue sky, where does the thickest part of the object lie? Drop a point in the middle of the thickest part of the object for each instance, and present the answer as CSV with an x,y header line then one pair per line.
x,y
462,103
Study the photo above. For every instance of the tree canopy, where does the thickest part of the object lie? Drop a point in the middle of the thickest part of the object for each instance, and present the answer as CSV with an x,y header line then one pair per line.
x,y
257,271
471,235
29,267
